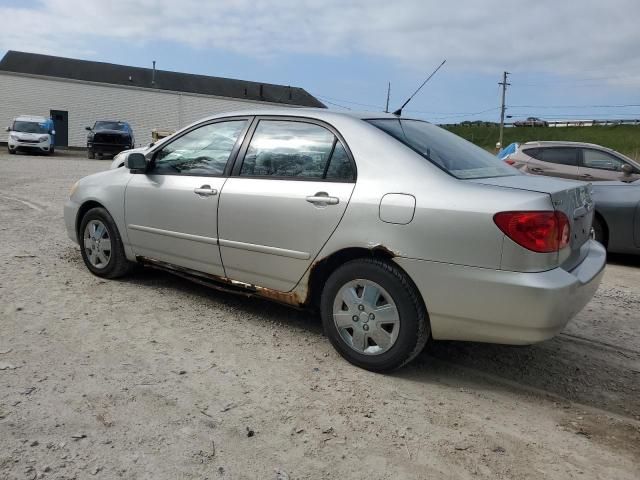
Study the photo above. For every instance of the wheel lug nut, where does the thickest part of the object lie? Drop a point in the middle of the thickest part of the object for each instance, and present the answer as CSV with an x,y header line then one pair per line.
x,y
361,307
365,327
372,316
354,318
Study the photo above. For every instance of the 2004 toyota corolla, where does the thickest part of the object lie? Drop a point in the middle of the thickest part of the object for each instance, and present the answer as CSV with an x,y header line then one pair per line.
x,y
396,230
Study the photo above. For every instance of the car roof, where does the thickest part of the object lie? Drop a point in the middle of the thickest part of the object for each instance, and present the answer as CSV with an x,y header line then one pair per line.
x,y
316,113
30,118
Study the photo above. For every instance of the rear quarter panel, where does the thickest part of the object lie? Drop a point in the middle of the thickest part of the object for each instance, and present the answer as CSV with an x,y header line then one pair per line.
x,y
453,219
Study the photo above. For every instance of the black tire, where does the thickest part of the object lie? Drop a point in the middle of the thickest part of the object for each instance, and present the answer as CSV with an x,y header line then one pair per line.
x,y
11,152
414,324
52,151
90,154
118,265
599,231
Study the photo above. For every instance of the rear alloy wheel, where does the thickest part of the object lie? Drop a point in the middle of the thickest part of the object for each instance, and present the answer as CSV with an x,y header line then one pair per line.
x,y
101,245
373,315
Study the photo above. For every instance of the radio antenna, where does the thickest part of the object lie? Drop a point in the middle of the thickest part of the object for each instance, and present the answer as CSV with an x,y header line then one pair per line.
x,y
398,112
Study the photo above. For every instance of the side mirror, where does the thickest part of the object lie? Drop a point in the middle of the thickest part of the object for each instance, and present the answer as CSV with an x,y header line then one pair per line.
x,y
136,162
627,169
87,128
8,129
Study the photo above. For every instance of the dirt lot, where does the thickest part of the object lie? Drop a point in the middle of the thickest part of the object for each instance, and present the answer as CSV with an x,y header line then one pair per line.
x,y
153,377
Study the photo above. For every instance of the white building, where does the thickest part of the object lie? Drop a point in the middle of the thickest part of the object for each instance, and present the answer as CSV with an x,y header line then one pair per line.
x,y
76,93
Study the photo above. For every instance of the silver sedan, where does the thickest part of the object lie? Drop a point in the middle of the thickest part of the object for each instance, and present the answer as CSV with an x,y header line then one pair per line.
x,y
395,230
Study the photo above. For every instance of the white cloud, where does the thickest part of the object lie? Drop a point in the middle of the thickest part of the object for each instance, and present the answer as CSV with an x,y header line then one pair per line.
x,y
563,37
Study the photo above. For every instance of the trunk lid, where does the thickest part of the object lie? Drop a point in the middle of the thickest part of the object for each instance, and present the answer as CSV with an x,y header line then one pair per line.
x,y
570,197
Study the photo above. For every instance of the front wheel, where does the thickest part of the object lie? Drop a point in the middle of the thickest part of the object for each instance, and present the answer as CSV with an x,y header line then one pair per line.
x,y
373,314
90,154
101,245
11,151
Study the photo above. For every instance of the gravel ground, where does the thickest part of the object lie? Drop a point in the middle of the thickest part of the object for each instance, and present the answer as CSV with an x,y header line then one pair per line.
x,y
154,377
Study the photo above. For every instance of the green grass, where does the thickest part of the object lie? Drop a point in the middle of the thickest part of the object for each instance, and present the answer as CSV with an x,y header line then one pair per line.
x,y
623,138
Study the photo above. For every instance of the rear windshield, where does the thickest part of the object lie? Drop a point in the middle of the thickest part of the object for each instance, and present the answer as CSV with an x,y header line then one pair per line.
x,y
454,155
29,127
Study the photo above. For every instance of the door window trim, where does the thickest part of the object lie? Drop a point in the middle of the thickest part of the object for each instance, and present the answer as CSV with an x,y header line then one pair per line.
x,y
239,159
232,156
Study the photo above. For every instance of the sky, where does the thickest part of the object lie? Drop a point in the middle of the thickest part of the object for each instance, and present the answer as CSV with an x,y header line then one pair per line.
x,y
568,59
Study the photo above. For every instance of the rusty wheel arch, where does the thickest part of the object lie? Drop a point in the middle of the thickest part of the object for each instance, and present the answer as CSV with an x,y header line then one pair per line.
x,y
84,208
321,269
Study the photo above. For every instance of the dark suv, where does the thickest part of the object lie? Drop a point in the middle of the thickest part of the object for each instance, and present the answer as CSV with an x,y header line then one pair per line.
x,y
109,137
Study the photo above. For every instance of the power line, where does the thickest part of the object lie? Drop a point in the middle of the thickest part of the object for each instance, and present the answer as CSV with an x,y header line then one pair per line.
x,y
350,102
575,106
334,104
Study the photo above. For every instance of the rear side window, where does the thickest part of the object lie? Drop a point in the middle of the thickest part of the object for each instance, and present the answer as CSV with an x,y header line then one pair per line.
x,y
454,155
296,150
561,156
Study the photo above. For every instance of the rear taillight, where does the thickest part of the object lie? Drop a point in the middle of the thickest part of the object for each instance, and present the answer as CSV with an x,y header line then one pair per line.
x,y
542,232
508,161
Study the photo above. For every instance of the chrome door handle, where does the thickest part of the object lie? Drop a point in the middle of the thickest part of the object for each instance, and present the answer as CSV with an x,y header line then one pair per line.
x,y
323,198
205,191
586,175
536,170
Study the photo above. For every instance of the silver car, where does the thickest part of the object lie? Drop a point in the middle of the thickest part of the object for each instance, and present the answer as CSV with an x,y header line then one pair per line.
x,y
395,230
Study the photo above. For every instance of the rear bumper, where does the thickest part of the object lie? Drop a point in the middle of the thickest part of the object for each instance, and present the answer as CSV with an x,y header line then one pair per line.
x,y
484,305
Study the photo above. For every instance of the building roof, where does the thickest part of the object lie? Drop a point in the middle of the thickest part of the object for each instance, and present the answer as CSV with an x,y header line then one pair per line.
x,y
100,72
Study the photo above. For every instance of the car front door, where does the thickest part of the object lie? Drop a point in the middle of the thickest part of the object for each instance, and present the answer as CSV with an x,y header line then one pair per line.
x,y
553,161
171,211
600,165
289,189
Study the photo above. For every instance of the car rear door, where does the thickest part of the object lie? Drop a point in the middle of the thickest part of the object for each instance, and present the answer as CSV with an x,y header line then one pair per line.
x,y
553,161
289,190
171,212
600,165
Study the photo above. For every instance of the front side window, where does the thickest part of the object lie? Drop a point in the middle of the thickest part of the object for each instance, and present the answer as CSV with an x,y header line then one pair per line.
x,y
560,156
203,151
454,155
281,148
601,160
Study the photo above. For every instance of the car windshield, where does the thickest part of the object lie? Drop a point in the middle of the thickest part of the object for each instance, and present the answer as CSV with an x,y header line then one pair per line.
x,y
29,127
110,126
454,155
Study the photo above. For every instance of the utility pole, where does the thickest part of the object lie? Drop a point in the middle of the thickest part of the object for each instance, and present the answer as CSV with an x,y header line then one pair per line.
x,y
386,109
503,108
